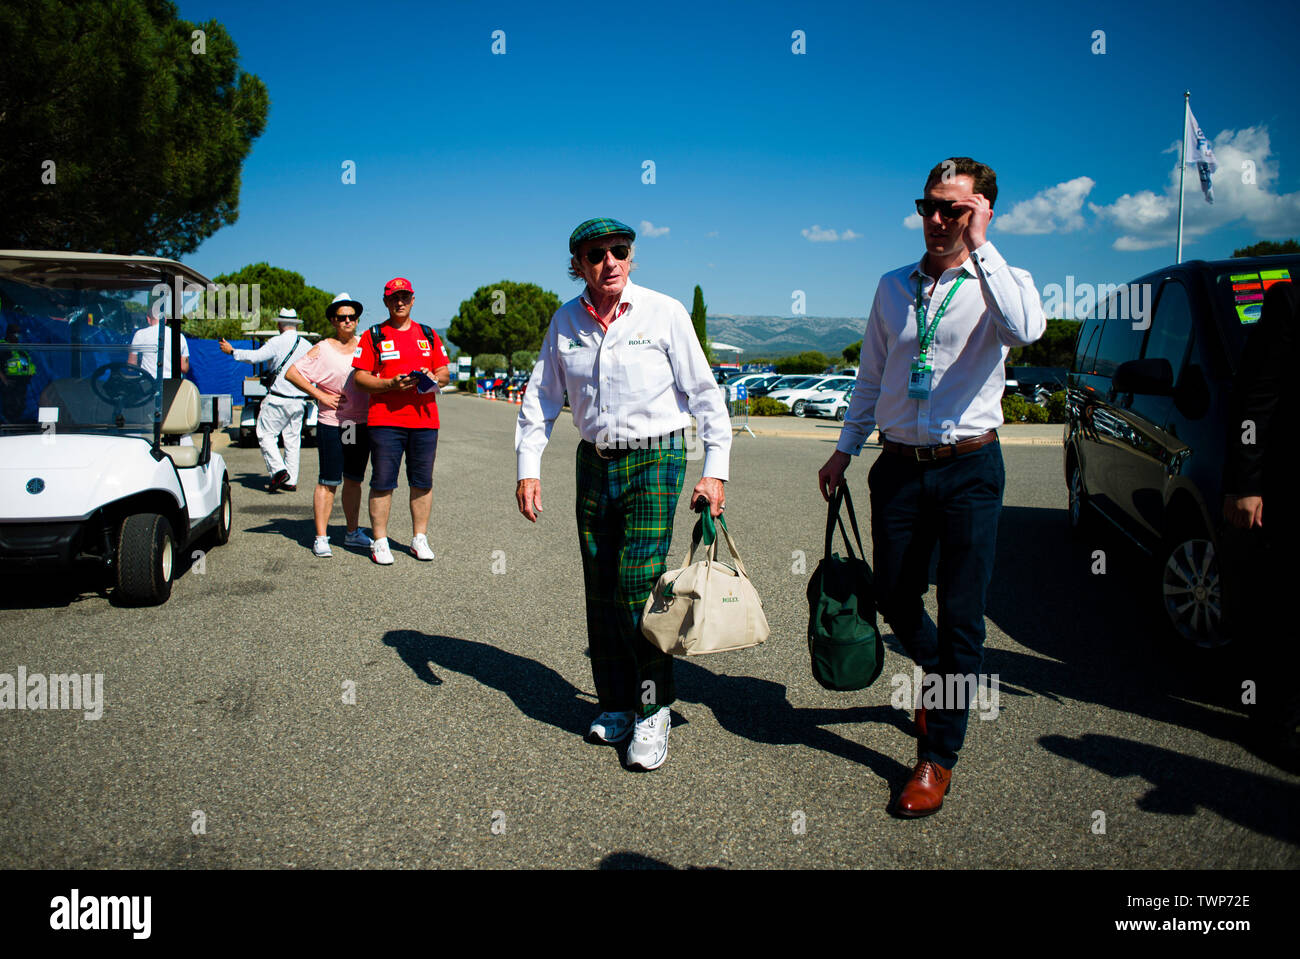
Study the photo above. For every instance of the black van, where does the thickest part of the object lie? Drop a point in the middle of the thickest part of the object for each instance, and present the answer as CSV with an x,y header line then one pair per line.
x,y
1146,426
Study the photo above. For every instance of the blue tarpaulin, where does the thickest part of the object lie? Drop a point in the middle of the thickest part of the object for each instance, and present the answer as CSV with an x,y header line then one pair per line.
x,y
214,372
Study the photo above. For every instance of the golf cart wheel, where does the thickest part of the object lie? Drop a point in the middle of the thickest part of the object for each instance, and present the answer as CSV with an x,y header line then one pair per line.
x,y
145,558
1191,589
225,515
798,408
839,414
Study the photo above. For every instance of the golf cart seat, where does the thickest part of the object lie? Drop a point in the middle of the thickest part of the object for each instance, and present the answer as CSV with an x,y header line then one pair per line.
x,y
181,417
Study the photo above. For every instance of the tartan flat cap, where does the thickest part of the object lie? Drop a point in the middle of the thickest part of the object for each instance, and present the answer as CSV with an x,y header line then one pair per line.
x,y
600,226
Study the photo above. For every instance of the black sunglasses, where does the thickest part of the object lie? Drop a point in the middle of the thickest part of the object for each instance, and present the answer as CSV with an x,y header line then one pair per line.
x,y
400,297
344,317
596,254
926,207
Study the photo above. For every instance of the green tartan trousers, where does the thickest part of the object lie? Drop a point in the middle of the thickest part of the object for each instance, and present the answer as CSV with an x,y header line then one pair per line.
x,y
625,528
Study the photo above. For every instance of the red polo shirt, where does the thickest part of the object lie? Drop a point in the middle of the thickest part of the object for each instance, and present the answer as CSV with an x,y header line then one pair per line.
x,y
400,352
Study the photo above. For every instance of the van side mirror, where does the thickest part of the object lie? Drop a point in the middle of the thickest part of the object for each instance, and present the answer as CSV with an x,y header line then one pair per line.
x,y
1148,377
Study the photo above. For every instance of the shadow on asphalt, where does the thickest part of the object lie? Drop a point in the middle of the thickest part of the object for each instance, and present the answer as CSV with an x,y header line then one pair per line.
x,y
753,709
1099,639
1183,784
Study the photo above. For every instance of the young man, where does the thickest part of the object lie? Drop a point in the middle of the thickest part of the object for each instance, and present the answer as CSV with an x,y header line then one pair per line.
x,y
931,379
403,415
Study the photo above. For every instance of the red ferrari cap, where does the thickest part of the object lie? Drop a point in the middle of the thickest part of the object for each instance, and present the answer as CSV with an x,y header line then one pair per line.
x,y
397,285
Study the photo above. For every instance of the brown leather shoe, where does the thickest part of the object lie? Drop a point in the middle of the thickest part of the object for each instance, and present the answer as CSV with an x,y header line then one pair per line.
x,y
920,722
923,794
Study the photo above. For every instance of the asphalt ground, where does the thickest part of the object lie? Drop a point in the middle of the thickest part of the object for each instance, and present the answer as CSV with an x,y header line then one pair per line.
x,y
225,740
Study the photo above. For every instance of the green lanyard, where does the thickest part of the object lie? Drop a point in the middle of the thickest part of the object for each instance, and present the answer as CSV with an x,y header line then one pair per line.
x,y
925,336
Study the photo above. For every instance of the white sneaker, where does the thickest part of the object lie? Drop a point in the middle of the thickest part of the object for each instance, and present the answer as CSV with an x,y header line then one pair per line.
x,y
611,727
357,537
379,552
420,547
649,747
321,546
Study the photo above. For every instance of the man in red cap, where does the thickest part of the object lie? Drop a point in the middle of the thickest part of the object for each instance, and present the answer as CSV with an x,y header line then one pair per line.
x,y
402,365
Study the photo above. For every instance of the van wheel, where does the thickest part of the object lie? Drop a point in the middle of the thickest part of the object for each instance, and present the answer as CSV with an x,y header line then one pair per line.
x,y
225,515
1191,590
1080,520
145,558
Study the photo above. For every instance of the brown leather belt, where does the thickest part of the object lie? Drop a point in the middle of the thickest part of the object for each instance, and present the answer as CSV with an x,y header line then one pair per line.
x,y
674,440
929,454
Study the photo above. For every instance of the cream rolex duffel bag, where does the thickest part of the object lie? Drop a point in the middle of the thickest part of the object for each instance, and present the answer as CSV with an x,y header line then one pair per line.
x,y
706,606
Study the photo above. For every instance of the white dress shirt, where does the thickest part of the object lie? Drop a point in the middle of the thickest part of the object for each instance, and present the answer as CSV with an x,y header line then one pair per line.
x,y
642,378
147,336
996,308
276,349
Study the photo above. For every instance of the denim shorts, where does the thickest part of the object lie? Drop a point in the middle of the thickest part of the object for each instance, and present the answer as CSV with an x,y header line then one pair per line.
x,y
388,443
339,460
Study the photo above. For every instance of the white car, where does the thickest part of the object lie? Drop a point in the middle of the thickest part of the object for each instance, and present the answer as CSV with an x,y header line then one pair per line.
x,y
796,398
835,405
98,466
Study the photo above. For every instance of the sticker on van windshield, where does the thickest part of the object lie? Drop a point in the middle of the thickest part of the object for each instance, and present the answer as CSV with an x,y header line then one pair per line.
x,y
1248,291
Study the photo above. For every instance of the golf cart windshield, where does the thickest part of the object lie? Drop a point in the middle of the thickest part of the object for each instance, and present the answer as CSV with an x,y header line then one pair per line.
x,y
80,348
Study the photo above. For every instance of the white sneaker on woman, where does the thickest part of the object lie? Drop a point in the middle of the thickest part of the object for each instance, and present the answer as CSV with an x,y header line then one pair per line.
x,y
420,547
649,747
321,546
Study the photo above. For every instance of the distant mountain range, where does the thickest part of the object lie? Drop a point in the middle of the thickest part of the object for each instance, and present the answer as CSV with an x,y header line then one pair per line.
x,y
771,337
775,336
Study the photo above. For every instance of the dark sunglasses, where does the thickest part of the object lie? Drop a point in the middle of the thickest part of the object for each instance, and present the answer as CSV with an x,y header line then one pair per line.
x,y
401,297
597,254
926,207
345,317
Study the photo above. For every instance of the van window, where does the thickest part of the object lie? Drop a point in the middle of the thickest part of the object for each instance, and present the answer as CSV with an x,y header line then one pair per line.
x,y
1087,346
1119,341
1171,327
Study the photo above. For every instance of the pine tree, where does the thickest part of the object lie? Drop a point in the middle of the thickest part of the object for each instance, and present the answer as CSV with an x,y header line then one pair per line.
x,y
699,314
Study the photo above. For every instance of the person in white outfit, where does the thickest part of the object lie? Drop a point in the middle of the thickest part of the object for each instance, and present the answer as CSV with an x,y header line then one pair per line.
x,y
285,407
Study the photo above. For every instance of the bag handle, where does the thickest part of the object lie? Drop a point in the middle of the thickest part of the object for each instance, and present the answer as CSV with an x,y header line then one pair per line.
x,y
842,497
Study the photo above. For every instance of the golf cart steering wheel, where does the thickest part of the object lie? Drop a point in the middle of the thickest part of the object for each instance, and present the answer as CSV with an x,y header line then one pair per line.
x,y
125,385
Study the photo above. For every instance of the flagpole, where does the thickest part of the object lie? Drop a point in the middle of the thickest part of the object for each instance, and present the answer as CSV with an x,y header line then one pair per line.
x,y
1182,172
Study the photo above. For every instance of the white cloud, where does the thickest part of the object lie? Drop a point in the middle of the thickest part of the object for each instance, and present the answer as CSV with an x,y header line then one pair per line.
x,y
1148,219
711,233
912,221
648,229
817,235
1054,210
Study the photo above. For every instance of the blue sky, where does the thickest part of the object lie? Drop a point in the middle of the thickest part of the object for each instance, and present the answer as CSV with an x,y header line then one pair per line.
x,y
473,167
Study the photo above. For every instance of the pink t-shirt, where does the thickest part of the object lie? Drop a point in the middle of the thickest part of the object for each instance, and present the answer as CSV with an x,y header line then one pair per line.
x,y
331,371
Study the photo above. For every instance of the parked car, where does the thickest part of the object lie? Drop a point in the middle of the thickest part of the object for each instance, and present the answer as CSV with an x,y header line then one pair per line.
x,y
99,467
1035,383
1146,430
797,397
835,405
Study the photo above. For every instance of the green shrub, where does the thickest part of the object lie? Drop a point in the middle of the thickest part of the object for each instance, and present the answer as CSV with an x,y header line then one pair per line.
x,y
1014,407
1056,407
766,406
1035,413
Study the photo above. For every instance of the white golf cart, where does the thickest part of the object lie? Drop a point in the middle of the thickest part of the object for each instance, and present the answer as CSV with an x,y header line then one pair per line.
x,y
255,392
97,463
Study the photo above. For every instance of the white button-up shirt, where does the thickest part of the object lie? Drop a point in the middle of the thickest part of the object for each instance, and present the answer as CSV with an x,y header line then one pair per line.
x,y
642,378
996,307
276,349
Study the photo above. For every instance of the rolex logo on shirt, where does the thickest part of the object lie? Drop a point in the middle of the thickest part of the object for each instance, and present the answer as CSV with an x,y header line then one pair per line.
x,y
639,340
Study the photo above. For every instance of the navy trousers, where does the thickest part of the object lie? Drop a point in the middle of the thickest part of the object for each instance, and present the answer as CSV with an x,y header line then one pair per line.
x,y
955,503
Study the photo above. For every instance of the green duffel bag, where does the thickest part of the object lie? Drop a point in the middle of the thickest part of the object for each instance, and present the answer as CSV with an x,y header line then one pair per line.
x,y
845,647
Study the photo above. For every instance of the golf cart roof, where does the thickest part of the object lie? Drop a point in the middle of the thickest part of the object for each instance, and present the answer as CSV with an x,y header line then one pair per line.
x,y
60,268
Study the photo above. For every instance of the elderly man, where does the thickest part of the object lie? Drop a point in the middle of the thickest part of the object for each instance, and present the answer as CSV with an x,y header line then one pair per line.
x,y
284,408
935,393
635,373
